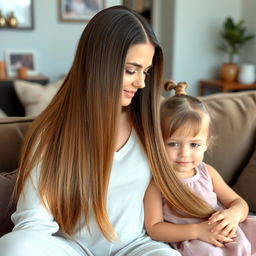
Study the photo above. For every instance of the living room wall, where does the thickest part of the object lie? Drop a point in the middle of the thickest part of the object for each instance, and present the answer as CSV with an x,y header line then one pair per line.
x,y
54,42
189,32
190,35
249,53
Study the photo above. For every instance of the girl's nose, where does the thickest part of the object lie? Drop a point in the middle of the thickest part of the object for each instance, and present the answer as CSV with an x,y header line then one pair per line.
x,y
184,151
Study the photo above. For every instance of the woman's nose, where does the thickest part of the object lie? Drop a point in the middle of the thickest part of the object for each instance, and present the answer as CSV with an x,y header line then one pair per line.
x,y
140,81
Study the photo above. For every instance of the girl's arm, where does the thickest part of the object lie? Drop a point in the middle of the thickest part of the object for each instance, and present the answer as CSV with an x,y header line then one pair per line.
x,y
169,232
236,208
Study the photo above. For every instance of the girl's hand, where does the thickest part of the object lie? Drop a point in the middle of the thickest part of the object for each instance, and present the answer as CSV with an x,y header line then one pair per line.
x,y
224,222
215,238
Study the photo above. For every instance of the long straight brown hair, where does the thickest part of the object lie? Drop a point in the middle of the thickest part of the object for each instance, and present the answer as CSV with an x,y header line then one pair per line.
x,y
73,139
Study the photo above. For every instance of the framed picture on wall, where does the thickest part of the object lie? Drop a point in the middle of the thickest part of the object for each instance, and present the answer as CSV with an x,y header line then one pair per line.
x,y
17,14
17,59
79,10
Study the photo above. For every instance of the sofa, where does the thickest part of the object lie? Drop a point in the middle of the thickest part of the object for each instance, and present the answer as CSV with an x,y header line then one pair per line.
x,y
232,152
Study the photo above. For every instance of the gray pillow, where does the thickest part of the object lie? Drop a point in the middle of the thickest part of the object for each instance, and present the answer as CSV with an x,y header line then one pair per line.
x,y
7,205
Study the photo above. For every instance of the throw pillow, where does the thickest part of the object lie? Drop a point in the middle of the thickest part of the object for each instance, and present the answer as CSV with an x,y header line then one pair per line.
x,y
7,181
34,96
245,185
2,114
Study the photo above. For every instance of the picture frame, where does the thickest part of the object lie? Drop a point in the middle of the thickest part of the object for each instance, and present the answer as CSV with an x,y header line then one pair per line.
x,y
22,11
17,59
79,10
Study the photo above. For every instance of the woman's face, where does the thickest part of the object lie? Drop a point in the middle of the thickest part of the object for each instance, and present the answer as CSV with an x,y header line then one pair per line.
x,y
138,62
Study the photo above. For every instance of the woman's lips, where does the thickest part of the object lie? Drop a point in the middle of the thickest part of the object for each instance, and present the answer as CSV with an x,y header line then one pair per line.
x,y
129,94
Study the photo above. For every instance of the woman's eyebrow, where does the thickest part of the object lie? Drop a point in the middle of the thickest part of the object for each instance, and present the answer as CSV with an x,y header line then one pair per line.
x,y
137,65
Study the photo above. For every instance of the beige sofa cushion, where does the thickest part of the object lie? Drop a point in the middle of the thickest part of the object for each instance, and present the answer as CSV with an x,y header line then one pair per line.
x,y
35,97
235,126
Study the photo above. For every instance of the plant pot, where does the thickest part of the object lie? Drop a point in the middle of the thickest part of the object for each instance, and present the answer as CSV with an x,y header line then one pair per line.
x,y
229,72
247,74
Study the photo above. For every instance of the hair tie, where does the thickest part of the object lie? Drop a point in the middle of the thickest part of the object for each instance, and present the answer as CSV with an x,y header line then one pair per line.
x,y
180,88
169,85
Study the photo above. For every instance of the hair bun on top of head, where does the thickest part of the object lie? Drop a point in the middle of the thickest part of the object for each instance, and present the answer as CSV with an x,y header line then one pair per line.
x,y
180,88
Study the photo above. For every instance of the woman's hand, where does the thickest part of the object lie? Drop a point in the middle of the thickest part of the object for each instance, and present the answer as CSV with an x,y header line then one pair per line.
x,y
225,222
205,233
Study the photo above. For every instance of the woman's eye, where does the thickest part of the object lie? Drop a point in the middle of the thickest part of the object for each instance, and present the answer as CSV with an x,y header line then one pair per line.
x,y
146,73
129,72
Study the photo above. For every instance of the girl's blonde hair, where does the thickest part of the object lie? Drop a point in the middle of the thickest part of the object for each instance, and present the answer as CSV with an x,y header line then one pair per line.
x,y
183,111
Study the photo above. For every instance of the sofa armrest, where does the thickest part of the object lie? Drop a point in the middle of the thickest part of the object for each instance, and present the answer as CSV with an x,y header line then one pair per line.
x,y
12,132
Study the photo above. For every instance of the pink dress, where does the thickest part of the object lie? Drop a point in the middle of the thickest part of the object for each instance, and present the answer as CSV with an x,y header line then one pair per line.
x,y
243,245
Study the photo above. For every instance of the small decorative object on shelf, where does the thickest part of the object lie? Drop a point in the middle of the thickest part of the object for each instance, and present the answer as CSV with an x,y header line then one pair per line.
x,y
12,20
2,70
2,20
234,37
229,72
23,73
247,74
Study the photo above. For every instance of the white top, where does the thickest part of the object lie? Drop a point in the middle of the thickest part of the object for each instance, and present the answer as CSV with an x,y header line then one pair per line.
x,y
129,179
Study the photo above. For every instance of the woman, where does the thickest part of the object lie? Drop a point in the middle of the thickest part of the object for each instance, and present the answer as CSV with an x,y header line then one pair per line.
x,y
86,160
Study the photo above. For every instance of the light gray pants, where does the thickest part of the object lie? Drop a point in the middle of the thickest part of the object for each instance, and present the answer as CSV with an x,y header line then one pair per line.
x,y
31,243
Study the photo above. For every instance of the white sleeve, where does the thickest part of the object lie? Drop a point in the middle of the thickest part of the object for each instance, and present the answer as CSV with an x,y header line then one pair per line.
x,y
31,213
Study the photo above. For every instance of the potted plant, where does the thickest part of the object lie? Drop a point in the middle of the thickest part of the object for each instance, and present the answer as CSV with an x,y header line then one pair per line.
x,y
234,37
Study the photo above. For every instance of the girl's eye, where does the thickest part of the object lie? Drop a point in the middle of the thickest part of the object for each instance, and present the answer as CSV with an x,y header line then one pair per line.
x,y
129,72
195,145
173,144
146,73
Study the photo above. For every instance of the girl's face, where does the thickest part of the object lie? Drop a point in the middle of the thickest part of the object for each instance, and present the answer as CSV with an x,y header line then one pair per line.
x,y
186,151
138,62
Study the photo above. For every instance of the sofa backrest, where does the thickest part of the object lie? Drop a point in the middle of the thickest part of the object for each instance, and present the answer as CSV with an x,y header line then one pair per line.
x,y
12,131
235,128
234,117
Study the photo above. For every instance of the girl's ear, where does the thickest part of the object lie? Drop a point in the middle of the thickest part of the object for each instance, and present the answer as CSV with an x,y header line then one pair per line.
x,y
207,144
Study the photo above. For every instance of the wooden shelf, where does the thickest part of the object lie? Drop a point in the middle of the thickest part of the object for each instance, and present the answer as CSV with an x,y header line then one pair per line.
x,y
41,79
224,86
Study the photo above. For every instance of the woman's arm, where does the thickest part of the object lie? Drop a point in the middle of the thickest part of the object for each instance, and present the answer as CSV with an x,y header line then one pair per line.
x,y
169,232
236,208
31,213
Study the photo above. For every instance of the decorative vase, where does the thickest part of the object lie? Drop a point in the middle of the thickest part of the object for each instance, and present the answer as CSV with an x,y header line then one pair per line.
x,y
2,70
23,73
229,72
2,20
247,74
11,20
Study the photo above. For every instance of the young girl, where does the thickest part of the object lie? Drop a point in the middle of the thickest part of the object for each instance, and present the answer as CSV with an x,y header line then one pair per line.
x,y
187,131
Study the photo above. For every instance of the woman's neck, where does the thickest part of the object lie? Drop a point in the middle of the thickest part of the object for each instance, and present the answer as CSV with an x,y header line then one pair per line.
x,y
124,128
